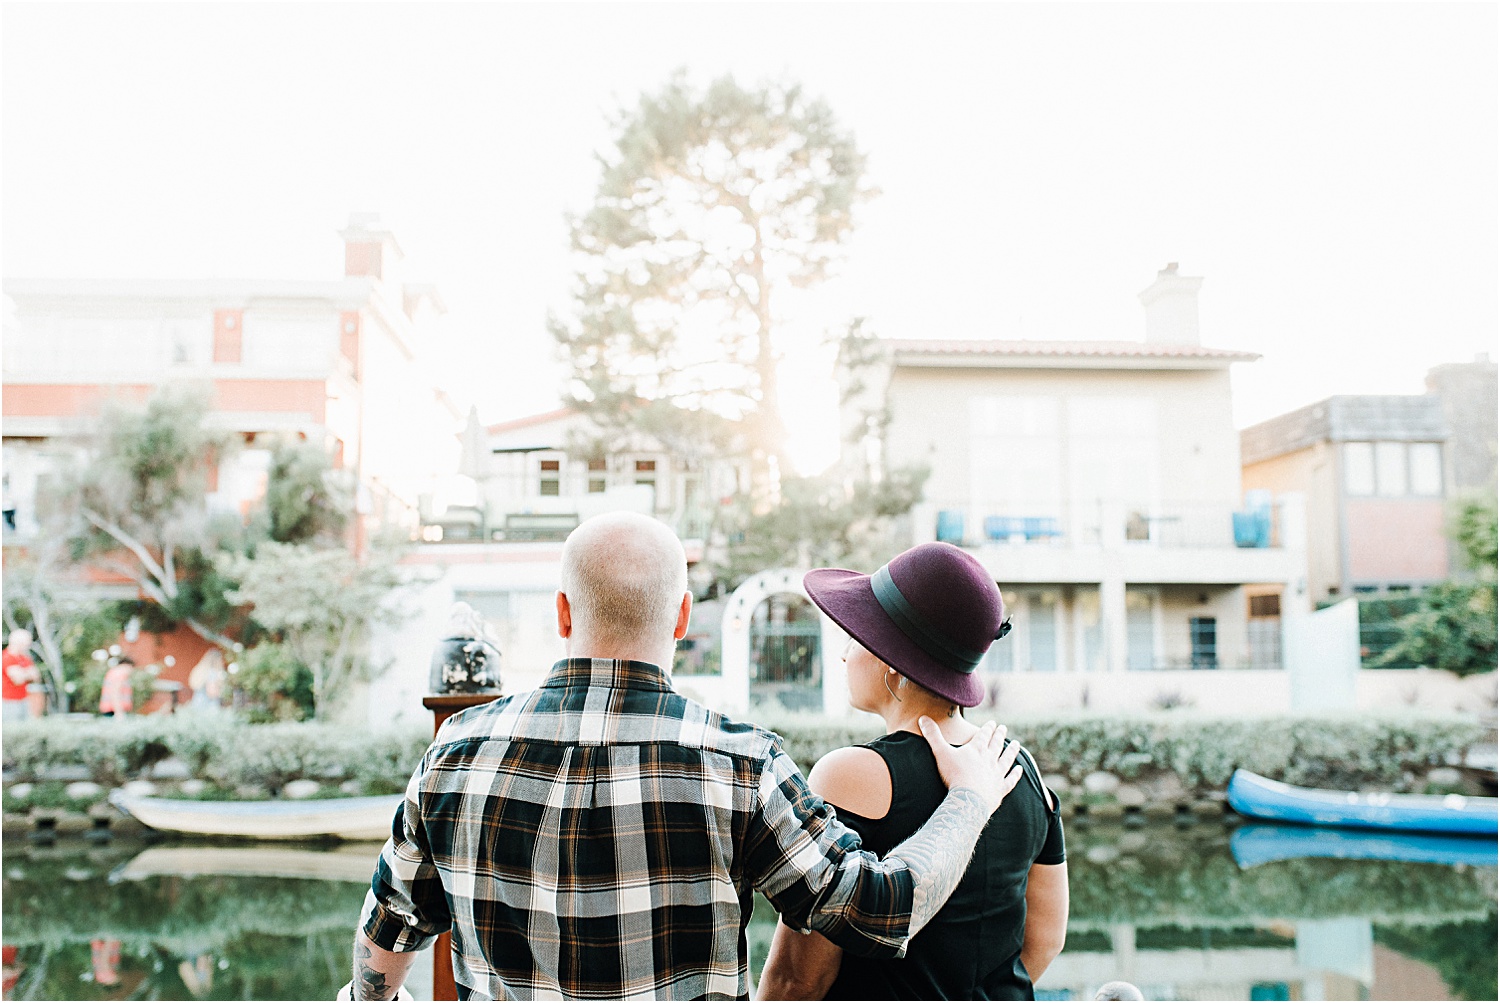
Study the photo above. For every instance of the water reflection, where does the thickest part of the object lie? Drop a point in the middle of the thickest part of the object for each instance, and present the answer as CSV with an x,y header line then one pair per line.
x,y
1171,910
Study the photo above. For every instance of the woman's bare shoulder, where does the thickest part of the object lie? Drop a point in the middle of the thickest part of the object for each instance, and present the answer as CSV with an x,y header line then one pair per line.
x,y
855,779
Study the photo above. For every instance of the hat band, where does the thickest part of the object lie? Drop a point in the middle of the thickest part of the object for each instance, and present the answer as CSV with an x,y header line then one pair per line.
x,y
922,633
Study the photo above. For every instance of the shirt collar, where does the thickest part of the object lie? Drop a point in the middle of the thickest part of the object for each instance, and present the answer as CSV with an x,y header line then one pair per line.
x,y
606,673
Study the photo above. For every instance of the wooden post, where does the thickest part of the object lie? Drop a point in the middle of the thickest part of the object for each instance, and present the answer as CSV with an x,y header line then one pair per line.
x,y
444,707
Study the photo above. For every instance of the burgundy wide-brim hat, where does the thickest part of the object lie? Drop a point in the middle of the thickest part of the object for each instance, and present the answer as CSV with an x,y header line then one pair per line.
x,y
930,614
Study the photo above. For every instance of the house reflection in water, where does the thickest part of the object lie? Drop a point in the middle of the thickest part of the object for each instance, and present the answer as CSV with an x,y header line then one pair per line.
x,y
1313,959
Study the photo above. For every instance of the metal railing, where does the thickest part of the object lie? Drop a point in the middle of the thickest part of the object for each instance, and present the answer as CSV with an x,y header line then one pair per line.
x,y
1163,524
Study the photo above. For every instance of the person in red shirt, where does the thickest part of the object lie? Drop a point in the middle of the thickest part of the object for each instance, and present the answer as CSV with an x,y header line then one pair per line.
x,y
18,671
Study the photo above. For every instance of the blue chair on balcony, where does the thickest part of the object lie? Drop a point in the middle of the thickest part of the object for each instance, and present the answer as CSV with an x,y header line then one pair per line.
x,y
1252,528
950,526
1039,528
1002,527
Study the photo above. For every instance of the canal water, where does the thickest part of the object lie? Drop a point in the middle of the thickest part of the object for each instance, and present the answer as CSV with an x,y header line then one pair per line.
x,y
1199,912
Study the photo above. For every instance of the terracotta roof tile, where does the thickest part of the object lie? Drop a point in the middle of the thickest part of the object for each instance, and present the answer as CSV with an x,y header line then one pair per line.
x,y
529,420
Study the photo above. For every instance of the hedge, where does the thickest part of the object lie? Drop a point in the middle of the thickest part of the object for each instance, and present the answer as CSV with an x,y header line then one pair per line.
x,y
221,750
1335,751
1202,750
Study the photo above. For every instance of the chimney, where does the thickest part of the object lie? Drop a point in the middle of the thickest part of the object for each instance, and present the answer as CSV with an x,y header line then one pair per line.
x,y
1171,305
369,248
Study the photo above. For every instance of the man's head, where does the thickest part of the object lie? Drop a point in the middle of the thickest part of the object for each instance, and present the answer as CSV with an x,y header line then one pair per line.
x,y
20,641
624,587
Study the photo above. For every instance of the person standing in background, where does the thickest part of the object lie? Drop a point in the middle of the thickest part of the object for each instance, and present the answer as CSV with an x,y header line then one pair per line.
x,y
207,681
116,698
19,671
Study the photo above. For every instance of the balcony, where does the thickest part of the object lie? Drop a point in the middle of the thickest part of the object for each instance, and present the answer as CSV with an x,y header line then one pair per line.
x,y
1189,542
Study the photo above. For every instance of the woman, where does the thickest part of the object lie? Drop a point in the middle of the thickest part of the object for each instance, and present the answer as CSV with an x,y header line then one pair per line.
x,y
918,628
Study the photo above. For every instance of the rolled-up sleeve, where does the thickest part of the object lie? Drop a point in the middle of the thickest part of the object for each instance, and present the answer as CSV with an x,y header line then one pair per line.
x,y
406,907
813,870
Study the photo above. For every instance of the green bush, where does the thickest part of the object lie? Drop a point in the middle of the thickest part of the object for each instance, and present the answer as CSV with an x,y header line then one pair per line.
x,y
1341,752
220,749
277,686
1203,751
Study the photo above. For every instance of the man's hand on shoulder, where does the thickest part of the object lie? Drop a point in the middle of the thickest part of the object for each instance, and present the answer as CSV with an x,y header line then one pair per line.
x,y
985,764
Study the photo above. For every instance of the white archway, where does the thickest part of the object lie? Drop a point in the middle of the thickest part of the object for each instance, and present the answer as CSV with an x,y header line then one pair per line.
x,y
735,638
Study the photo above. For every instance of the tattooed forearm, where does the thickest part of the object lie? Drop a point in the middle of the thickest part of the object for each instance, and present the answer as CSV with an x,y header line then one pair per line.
x,y
377,973
938,853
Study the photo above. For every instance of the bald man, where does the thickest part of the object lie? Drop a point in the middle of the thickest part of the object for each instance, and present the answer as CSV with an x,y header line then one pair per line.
x,y
601,837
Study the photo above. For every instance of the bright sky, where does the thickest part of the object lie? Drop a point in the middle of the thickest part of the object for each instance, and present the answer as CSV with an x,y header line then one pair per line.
x,y
1331,170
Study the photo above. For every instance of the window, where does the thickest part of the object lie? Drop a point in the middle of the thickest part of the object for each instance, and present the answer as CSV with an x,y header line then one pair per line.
x,y
1390,469
598,482
1140,630
551,482
645,474
1359,468
1426,459
1265,605
1041,623
1203,631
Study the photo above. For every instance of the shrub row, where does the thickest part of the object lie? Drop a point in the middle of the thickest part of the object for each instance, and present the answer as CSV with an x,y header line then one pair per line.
x,y
1344,751
1201,751
223,751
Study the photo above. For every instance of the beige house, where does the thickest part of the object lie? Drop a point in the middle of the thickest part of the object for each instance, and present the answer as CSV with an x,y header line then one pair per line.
x,y
1099,481
1372,470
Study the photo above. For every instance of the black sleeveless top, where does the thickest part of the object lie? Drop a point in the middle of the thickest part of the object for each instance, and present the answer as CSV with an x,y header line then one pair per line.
x,y
972,948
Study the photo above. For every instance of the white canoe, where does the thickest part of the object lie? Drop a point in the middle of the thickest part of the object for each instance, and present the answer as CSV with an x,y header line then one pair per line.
x,y
342,818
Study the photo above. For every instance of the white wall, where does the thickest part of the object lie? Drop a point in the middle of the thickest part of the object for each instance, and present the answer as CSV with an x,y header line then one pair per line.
x,y
410,439
1015,430
1230,691
529,643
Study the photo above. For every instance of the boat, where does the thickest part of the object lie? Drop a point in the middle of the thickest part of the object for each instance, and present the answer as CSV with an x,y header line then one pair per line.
x,y
1259,797
353,862
353,819
1259,843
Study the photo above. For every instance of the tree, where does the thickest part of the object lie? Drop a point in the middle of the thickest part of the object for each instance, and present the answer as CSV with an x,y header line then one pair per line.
x,y
1472,523
138,507
822,521
1455,626
849,517
710,203
306,499
33,603
321,602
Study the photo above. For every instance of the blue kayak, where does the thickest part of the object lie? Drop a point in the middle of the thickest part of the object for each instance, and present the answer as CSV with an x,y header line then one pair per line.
x,y
1258,797
1257,843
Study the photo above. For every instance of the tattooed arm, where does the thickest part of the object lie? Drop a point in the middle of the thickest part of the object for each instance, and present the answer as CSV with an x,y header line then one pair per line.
x,y
378,973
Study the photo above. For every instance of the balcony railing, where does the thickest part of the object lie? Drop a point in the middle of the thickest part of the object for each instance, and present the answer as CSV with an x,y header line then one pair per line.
x,y
1163,524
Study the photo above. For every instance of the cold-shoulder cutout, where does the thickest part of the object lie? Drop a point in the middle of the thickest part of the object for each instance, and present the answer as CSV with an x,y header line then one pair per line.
x,y
854,779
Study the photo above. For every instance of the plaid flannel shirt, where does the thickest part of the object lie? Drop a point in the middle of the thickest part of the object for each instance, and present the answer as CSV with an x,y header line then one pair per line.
x,y
602,836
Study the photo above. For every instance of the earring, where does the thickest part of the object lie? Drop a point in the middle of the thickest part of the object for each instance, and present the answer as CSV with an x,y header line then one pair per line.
x,y
887,680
